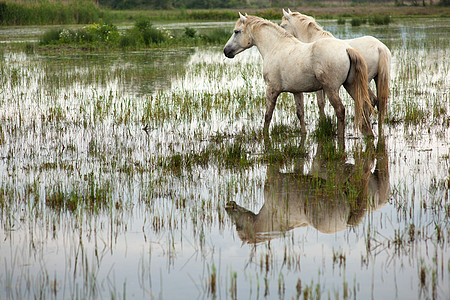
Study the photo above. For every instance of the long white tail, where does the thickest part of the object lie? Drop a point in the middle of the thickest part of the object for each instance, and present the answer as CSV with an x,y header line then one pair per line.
x,y
383,77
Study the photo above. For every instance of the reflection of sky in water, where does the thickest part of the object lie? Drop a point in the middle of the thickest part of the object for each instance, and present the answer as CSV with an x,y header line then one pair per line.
x,y
122,247
215,76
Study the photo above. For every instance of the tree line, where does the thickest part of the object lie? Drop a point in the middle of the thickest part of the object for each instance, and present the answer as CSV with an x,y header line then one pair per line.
x,y
209,4
170,4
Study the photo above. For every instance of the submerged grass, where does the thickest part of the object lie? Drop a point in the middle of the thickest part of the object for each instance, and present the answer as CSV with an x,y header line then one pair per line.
x,y
326,128
237,151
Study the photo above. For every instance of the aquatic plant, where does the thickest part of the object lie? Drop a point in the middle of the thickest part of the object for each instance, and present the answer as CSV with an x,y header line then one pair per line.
x,y
49,12
379,19
326,128
190,32
142,35
341,21
358,21
96,33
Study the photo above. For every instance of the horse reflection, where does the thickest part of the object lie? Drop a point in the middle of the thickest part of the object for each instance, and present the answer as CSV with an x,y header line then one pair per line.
x,y
332,197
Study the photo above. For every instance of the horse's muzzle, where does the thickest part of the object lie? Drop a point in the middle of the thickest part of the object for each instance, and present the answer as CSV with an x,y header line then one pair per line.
x,y
228,52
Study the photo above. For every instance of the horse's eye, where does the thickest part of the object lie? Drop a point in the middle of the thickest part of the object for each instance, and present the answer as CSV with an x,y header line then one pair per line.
x,y
237,31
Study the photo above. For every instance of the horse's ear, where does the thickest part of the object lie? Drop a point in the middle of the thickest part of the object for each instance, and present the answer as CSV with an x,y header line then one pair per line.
x,y
243,18
289,11
286,15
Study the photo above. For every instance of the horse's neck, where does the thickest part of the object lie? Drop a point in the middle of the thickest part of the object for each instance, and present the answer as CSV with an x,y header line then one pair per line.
x,y
309,36
322,34
266,40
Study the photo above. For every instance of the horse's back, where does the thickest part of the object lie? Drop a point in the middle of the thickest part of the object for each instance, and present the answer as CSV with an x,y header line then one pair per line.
x,y
365,42
290,68
331,58
370,48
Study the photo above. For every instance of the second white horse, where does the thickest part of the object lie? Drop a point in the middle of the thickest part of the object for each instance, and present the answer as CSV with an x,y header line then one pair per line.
x,y
375,53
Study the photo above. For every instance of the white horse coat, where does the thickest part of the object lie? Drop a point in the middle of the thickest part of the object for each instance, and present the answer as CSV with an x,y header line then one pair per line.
x,y
375,53
292,66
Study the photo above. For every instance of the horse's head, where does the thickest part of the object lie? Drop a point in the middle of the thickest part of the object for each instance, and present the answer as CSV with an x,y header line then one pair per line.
x,y
288,22
244,221
240,40
301,26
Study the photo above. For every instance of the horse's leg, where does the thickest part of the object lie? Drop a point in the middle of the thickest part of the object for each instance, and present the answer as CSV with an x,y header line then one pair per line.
x,y
381,105
373,98
339,109
382,82
375,103
300,110
321,103
271,98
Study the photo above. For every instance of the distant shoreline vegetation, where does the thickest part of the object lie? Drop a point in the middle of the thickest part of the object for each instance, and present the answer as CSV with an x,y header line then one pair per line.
x,y
142,35
50,13
46,12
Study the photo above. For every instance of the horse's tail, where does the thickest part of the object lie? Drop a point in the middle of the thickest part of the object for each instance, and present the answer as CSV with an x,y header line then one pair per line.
x,y
384,62
361,85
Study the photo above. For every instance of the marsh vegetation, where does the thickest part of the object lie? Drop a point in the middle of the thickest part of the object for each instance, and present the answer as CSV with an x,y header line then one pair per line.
x,y
145,174
142,35
46,12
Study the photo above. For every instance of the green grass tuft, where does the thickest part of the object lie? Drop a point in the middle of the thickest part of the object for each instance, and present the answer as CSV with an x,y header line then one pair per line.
x,y
341,21
358,21
379,20
326,128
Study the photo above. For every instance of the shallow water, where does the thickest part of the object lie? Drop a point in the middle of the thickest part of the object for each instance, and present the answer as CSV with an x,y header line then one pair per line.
x,y
119,178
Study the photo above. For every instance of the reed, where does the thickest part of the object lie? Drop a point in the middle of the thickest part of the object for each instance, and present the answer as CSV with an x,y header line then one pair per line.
x,y
379,20
49,12
358,21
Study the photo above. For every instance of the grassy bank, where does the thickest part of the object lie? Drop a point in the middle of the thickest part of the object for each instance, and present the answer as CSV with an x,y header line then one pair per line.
x,y
324,12
44,13
87,12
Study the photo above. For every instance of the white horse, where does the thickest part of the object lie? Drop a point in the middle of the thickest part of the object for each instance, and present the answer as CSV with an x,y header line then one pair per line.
x,y
375,53
290,65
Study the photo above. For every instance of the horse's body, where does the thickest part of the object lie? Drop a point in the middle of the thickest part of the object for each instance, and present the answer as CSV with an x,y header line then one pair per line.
x,y
375,53
293,66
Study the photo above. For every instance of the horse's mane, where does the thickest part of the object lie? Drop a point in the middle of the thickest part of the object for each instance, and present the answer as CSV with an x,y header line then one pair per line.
x,y
257,22
309,24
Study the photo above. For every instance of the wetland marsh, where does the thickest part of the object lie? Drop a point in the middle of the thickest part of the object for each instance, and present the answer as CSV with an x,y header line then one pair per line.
x,y
145,174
